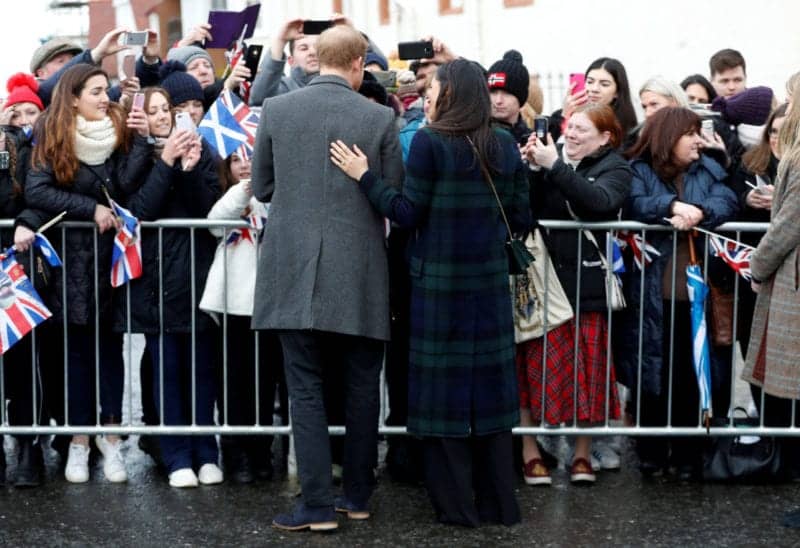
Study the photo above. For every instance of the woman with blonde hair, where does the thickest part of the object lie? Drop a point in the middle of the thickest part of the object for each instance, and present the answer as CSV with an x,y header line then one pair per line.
x,y
772,353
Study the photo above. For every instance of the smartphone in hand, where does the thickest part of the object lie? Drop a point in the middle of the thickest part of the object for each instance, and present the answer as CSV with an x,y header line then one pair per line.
x,y
138,38
540,128
252,58
138,100
184,121
316,27
579,81
415,50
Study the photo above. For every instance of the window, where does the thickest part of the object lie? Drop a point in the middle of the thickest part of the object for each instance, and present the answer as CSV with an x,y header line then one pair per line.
x,y
517,3
451,7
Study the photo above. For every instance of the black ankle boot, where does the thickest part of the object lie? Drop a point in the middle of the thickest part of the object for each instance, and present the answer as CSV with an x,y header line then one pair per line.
x,y
30,464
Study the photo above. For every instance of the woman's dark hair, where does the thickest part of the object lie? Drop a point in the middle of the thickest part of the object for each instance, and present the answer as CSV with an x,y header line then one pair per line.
x,y
622,104
659,136
757,159
463,106
700,80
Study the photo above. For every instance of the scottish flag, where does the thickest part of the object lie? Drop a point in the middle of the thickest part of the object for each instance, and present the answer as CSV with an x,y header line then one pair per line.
x,y
47,250
221,130
698,290
617,263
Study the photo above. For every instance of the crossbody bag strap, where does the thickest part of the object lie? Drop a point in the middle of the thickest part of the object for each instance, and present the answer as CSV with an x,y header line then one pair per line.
x,y
489,181
591,238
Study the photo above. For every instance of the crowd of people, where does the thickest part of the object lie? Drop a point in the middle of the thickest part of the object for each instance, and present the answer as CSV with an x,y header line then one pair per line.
x,y
388,196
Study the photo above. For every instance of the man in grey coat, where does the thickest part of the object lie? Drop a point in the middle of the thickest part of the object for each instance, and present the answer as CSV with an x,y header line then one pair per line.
x,y
322,272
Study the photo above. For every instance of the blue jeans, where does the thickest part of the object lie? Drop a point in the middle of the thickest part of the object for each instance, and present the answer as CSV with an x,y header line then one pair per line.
x,y
185,451
83,377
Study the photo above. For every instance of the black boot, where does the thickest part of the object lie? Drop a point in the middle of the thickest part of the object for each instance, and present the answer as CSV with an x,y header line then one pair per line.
x,y
235,459
30,464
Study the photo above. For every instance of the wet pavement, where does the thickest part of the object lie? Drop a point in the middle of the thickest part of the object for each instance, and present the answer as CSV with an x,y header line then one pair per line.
x,y
620,509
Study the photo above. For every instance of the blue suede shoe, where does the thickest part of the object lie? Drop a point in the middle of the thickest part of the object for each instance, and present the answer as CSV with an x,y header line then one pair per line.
x,y
352,510
303,517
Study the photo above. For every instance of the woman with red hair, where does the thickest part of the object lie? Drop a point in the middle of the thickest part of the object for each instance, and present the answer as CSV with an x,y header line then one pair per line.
x,y
584,179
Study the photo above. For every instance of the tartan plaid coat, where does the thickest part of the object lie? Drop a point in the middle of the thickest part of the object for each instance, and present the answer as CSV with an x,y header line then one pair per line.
x,y
775,335
462,379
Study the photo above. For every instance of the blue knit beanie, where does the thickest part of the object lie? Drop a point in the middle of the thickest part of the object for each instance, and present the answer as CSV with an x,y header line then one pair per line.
x,y
180,85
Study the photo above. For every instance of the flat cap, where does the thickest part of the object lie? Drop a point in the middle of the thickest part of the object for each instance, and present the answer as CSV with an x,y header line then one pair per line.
x,y
50,49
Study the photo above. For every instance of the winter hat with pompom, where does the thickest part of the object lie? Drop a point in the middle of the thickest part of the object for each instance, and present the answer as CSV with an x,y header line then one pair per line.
x,y
751,106
22,88
180,85
509,74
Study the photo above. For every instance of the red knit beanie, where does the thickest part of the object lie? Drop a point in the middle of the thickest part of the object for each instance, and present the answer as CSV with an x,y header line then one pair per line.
x,y
22,88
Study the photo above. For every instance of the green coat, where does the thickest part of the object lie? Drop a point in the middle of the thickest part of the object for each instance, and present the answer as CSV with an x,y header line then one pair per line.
x,y
462,378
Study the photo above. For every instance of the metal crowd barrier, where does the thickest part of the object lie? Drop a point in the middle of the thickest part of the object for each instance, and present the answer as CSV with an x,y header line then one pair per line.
x,y
608,427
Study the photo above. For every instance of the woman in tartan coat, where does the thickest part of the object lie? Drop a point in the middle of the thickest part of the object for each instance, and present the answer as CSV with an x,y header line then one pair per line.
x,y
462,385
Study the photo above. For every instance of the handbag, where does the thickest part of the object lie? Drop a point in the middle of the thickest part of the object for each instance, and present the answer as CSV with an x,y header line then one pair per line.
x,y
615,298
517,254
720,316
539,302
743,458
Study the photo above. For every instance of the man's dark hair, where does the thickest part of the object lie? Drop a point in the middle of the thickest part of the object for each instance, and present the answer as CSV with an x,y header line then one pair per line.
x,y
726,59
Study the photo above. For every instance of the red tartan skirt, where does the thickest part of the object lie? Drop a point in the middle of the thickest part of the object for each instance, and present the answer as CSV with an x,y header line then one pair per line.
x,y
558,374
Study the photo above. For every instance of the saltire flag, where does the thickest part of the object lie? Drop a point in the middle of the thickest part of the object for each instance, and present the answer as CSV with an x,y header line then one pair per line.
x,y
638,245
735,254
698,290
221,128
21,308
47,250
245,116
617,263
126,257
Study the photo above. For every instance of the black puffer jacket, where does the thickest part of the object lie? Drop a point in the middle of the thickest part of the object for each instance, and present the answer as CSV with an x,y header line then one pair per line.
x,y
169,192
595,190
79,200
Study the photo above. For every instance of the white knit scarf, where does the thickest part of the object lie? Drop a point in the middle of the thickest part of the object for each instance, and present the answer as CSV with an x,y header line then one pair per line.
x,y
95,141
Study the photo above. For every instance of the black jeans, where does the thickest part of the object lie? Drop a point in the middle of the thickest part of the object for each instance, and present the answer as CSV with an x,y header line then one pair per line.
x,y
307,355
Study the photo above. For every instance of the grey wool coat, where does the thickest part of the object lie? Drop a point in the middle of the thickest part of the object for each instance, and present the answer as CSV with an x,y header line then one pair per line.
x,y
776,263
322,262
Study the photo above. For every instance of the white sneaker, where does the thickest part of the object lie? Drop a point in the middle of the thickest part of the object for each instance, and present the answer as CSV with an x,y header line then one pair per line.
x,y
183,477
210,474
113,460
606,458
77,469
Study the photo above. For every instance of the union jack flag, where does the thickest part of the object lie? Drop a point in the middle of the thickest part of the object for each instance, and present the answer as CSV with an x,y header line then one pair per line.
x,y
21,308
247,118
735,254
126,258
638,246
256,219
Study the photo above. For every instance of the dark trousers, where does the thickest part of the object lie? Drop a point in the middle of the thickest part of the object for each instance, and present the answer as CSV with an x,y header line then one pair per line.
x,y
306,357
681,450
22,383
85,371
243,384
185,451
471,480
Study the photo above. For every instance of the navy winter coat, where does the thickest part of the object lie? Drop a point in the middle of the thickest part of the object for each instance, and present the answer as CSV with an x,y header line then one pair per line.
x,y
649,202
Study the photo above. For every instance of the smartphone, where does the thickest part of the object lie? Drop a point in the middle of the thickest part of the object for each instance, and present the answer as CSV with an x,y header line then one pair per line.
x,y
138,100
707,129
415,50
540,128
579,79
252,57
138,38
183,120
316,26
128,67
386,78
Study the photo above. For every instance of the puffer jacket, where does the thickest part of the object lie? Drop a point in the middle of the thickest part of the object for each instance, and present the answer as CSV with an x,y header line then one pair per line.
x,y
595,190
704,186
170,193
